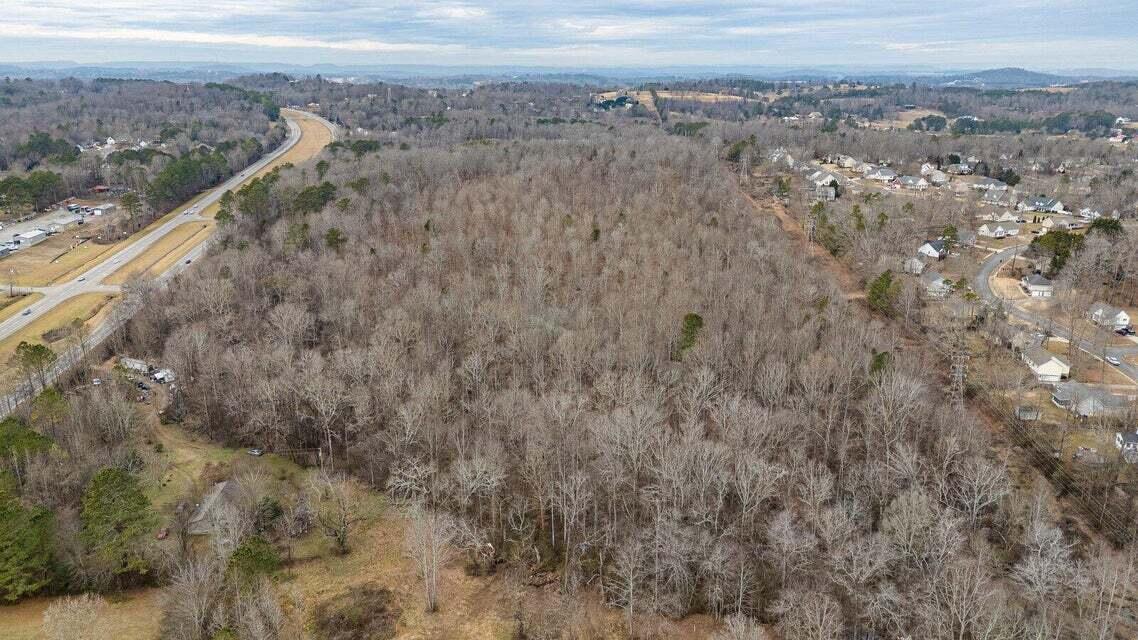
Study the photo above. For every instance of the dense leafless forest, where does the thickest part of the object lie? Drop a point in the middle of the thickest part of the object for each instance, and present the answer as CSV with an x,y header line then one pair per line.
x,y
600,358
577,350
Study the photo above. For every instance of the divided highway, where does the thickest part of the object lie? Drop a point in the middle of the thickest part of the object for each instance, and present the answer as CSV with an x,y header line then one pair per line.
x,y
90,281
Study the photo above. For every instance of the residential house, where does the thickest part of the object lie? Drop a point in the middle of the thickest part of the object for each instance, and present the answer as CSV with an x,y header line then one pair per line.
x,y
1036,286
1127,442
823,179
1086,213
984,183
998,229
1041,204
937,178
1085,401
934,249
1046,366
998,198
966,238
825,192
219,505
915,266
781,156
1066,223
936,285
847,162
958,169
915,183
864,168
1006,216
1108,316
882,174
928,168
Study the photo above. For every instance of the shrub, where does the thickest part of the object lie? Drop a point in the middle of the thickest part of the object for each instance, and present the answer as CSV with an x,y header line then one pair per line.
x,y
364,613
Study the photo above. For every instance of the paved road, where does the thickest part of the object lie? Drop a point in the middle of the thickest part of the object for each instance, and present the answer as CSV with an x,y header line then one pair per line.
x,y
90,281
1094,348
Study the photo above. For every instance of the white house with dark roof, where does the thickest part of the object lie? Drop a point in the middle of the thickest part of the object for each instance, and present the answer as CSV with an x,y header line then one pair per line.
x,y
1126,441
958,169
1036,286
1046,366
1108,316
998,198
934,249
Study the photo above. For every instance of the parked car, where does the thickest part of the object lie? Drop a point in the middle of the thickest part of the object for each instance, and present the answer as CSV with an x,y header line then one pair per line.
x,y
256,453
1114,361
143,386
96,382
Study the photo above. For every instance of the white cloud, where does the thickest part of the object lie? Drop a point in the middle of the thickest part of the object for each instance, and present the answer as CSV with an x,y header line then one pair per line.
x,y
359,45
453,12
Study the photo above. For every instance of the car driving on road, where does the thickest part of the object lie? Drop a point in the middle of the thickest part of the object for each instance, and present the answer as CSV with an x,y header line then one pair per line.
x,y
1114,361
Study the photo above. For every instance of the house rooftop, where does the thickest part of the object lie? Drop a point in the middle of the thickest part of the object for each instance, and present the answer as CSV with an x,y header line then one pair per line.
x,y
931,277
1037,280
1106,309
1039,356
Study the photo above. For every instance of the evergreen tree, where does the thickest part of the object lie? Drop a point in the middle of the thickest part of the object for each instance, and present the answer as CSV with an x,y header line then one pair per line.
x,y
25,546
117,518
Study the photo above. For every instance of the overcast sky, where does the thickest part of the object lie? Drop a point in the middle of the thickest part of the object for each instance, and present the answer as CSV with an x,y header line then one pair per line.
x,y
1038,34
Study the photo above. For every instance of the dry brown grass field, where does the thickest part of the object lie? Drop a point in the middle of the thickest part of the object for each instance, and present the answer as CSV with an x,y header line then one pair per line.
x,y
88,308
164,253
11,305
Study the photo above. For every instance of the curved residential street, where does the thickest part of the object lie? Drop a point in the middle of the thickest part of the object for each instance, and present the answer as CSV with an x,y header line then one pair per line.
x,y
91,280
982,284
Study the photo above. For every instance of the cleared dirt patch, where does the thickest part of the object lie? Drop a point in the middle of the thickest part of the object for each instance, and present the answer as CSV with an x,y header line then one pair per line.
x,y
164,253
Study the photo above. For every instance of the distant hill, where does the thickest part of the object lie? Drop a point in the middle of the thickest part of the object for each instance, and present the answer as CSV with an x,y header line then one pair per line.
x,y
1007,78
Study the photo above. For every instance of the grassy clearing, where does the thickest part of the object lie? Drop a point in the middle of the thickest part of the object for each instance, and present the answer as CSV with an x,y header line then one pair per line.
x,y
11,305
130,616
37,266
160,255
